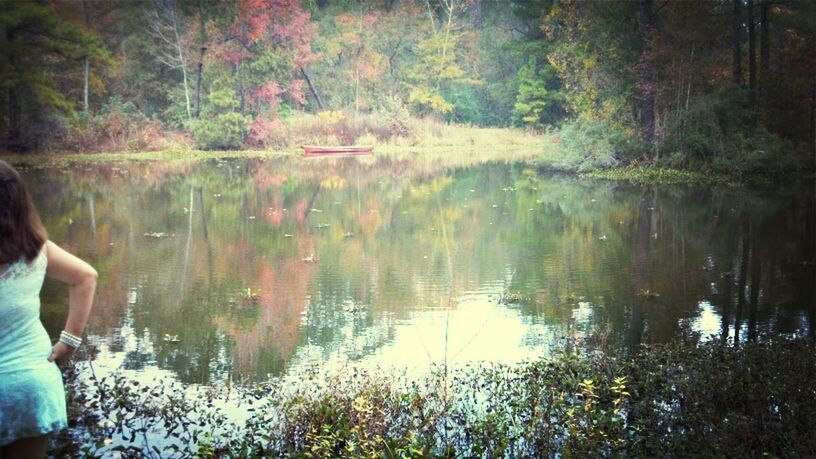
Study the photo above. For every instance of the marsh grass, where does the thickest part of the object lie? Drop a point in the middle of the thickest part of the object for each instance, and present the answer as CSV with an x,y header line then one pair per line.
x,y
678,400
421,140
658,175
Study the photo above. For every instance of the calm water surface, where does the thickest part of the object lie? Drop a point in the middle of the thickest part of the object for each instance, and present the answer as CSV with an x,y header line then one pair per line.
x,y
241,269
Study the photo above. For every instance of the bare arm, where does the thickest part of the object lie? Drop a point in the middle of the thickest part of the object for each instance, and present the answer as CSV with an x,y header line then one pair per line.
x,y
81,278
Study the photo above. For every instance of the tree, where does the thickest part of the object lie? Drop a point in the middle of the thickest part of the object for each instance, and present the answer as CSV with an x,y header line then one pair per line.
x,y
646,74
437,65
752,78
35,40
539,101
736,42
261,53
165,26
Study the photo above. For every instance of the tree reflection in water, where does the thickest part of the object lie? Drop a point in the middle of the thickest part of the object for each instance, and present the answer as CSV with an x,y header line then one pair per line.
x,y
214,251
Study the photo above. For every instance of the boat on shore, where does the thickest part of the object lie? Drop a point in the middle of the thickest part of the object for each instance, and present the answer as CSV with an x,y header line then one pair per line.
x,y
346,150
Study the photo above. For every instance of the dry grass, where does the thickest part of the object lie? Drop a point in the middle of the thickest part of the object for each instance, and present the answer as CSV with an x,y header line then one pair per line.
x,y
423,141
334,127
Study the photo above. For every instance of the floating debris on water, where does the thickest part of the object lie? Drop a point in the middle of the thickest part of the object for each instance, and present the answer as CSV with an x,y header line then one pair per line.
x,y
158,235
251,297
648,294
512,298
352,307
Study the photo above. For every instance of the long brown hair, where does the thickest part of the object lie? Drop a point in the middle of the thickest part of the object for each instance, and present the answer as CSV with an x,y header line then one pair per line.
x,y
21,231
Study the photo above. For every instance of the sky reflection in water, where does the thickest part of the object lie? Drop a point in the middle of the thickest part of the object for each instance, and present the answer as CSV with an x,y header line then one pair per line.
x,y
261,268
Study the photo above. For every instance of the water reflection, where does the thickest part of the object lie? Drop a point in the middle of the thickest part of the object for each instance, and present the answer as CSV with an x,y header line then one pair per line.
x,y
248,268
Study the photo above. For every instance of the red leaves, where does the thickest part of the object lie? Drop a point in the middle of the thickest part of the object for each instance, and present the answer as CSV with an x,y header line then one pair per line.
x,y
280,23
263,130
267,93
295,90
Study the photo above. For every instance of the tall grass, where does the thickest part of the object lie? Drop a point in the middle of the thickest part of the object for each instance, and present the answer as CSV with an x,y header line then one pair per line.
x,y
340,128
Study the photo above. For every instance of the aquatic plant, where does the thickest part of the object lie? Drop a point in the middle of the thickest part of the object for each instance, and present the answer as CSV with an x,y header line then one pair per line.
x,y
678,399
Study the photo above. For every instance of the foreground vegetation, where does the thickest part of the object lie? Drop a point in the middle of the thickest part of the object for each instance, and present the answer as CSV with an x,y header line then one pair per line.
x,y
684,400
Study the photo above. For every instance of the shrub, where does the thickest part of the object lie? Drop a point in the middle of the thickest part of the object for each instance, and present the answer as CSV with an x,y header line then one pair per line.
x,y
119,126
719,133
220,126
676,400
583,145
226,131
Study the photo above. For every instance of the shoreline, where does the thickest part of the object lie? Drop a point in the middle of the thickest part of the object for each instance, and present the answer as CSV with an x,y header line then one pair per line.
x,y
528,153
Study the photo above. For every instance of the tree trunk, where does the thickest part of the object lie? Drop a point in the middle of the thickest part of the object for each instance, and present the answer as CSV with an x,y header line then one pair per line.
x,y
85,86
199,74
764,52
13,132
646,75
752,78
182,60
312,88
202,36
742,278
87,69
813,120
737,42
756,270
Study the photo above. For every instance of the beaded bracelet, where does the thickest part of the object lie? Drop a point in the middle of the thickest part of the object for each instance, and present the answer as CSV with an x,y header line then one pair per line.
x,y
69,339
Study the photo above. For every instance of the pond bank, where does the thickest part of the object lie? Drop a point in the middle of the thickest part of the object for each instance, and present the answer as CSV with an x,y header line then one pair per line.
x,y
523,149
684,400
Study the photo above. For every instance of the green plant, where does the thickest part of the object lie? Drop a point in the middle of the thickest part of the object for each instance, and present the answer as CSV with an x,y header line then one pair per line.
x,y
585,145
220,127
675,400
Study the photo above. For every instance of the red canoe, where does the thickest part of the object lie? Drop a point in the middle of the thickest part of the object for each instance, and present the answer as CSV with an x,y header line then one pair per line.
x,y
310,150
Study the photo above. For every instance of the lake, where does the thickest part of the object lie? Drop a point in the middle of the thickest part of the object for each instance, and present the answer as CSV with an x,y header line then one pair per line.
x,y
245,269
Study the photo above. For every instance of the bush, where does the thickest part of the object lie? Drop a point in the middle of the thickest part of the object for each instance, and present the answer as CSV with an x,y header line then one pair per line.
x,y
226,131
220,126
719,133
119,126
585,145
677,400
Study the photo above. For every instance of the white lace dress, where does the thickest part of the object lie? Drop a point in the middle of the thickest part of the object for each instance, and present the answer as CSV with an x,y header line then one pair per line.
x,y
32,397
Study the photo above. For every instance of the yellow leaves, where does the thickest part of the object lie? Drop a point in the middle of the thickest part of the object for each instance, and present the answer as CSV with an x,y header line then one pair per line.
x,y
350,38
334,48
346,19
435,102
333,182
372,66
433,188
331,117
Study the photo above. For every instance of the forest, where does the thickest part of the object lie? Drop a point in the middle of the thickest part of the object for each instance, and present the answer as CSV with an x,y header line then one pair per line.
x,y
718,85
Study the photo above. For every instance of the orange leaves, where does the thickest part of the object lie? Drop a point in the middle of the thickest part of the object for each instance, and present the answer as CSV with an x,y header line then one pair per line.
x,y
263,130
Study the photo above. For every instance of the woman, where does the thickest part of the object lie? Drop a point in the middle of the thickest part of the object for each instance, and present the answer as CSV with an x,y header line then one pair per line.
x,y
32,397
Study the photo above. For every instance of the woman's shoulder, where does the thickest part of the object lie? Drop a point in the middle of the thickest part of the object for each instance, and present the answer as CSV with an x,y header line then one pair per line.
x,y
15,269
